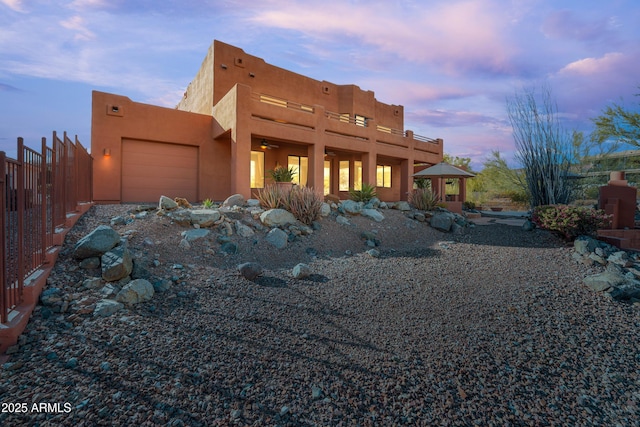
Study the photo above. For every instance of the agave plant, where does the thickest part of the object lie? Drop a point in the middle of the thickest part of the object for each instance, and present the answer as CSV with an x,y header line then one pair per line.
x,y
366,193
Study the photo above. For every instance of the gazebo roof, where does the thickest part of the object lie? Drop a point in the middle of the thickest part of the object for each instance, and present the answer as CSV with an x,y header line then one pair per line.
x,y
443,170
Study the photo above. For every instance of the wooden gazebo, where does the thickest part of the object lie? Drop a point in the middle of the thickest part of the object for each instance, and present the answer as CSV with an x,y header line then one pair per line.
x,y
438,174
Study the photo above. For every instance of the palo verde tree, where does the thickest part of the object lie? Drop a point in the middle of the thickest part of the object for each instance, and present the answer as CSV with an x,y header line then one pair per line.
x,y
619,125
542,147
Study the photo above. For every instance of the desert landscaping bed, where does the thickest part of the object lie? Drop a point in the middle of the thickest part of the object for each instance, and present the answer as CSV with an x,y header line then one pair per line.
x,y
491,326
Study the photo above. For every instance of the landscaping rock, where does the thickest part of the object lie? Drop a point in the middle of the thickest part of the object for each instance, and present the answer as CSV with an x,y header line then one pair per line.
x,y
402,206
167,204
116,264
277,238
351,207
277,218
233,200
325,209
301,271
442,221
107,307
195,234
604,281
135,292
96,243
250,270
342,220
374,214
204,217
244,230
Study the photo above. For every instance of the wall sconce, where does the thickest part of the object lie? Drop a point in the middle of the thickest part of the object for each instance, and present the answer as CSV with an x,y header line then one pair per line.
x,y
251,75
223,66
107,152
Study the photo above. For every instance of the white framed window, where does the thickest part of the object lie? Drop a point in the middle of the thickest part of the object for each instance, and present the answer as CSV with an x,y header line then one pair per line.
x,y
357,175
343,171
300,166
257,169
383,176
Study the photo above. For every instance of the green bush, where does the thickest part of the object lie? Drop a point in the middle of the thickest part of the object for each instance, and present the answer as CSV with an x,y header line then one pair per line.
x,y
422,183
570,221
468,205
366,193
282,174
423,199
304,204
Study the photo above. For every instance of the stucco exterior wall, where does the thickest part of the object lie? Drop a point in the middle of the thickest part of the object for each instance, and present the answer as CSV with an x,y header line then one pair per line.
x,y
241,101
116,118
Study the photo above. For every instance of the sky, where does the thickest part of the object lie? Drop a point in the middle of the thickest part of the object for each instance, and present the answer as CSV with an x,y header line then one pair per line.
x,y
452,64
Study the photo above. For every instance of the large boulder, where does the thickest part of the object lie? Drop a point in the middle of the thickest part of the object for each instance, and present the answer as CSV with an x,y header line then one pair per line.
x,y
136,291
244,230
277,238
402,206
99,241
442,221
325,209
233,200
277,218
204,217
167,203
374,214
604,281
116,264
351,207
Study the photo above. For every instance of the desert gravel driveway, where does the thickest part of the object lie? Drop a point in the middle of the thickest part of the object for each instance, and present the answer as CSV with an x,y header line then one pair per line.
x,y
489,328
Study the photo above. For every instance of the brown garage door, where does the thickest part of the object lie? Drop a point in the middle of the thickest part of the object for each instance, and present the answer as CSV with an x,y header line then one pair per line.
x,y
153,169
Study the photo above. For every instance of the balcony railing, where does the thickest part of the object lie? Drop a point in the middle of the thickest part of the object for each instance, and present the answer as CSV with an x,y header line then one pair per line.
x,y
354,120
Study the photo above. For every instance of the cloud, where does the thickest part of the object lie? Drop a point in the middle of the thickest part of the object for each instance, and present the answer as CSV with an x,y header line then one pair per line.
x,y
591,66
15,5
457,37
77,24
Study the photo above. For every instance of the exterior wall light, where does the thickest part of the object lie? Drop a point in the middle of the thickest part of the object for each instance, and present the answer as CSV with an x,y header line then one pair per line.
x,y
251,75
107,152
223,66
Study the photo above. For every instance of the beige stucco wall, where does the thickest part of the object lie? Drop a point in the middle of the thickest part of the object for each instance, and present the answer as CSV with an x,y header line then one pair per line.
x,y
198,97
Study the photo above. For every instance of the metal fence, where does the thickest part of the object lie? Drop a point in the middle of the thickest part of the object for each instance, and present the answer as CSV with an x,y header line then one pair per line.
x,y
38,190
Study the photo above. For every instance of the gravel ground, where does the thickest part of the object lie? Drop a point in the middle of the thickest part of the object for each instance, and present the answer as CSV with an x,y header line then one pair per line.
x,y
489,328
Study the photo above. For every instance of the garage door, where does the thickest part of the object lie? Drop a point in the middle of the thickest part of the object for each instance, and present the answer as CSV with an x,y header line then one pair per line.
x,y
152,169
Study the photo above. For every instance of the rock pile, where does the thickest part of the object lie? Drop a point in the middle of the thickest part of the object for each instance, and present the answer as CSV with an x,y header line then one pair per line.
x,y
620,278
121,280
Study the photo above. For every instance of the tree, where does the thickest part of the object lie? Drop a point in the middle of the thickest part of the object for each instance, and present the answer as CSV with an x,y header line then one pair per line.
x,y
543,148
619,125
461,162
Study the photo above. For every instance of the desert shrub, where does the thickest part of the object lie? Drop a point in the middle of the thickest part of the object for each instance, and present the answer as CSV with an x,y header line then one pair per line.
x,y
366,193
469,205
423,199
570,221
304,204
422,183
517,196
271,197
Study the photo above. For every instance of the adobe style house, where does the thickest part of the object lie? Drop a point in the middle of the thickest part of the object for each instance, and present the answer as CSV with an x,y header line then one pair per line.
x,y
241,117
